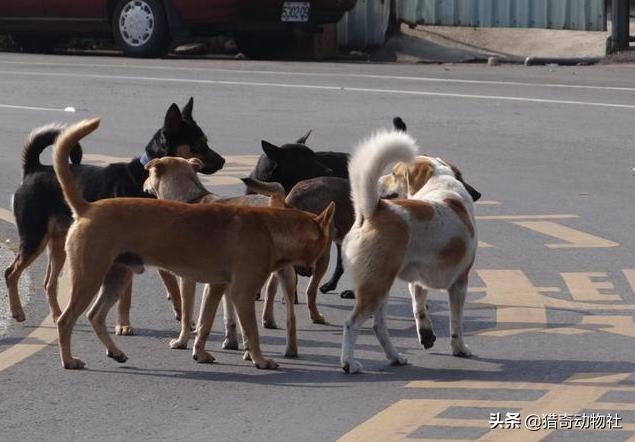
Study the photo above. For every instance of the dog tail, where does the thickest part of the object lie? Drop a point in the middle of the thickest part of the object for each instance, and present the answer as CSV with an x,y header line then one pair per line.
x,y
65,142
275,191
369,161
38,140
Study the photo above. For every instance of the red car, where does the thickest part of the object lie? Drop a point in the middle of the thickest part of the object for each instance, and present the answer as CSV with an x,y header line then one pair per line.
x,y
146,28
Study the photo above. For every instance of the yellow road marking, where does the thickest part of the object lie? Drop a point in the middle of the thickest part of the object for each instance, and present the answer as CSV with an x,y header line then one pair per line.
x,y
484,245
580,391
7,215
619,325
573,238
519,305
583,288
630,277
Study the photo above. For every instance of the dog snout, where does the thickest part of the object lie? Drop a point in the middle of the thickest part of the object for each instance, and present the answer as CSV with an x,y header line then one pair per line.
x,y
213,163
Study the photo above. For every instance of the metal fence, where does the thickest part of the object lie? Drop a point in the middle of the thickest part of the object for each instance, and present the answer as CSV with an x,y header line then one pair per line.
x,y
366,24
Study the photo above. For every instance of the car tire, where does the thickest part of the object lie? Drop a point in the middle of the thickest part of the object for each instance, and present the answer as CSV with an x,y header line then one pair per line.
x,y
261,45
35,43
140,28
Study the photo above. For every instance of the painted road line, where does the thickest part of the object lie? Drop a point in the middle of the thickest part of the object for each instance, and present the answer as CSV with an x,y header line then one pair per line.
x,y
583,286
326,74
7,215
581,391
321,87
487,203
630,277
33,108
521,217
573,238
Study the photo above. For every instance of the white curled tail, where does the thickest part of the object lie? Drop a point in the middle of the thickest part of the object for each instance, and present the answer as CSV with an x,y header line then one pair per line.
x,y
369,161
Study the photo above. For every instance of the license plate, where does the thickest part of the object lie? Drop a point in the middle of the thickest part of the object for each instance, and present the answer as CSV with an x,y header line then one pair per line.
x,y
295,11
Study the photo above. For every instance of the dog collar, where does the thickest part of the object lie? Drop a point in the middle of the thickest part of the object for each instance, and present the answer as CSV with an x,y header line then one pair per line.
x,y
145,159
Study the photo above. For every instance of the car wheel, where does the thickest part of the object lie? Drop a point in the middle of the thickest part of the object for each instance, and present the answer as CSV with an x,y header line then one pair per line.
x,y
140,28
259,45
35,42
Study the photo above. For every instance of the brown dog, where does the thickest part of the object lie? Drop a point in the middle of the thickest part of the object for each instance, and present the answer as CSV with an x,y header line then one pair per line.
x,y
313,196
177,179
232,248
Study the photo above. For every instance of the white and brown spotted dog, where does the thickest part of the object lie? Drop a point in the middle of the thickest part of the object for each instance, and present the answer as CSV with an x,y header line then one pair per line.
x,y
425,236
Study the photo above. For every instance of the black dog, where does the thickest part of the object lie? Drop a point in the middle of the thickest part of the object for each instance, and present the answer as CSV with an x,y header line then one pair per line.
x,y
42,216
291,163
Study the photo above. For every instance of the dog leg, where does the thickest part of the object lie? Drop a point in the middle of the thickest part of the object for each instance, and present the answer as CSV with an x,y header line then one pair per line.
x,y
229,318
83,290
25,257
271,288
289,282
243,299
381,332
57,256
321,266
211,297
172,289
457,294
123,326
337,273
117,282
358,316
424,324
187,288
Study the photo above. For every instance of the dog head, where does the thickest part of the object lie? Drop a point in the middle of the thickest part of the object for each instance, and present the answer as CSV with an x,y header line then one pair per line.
x,y
288,164
174,178
180,136
408,179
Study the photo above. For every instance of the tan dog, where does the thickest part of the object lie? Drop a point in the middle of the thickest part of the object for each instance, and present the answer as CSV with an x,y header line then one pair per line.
x,y
428,239
232,248
177,179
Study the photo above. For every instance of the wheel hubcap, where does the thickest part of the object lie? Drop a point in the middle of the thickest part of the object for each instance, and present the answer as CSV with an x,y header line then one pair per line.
x,y
136,23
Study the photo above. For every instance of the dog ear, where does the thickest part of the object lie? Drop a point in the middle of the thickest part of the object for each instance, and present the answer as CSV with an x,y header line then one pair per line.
x,y
196,164
156,164
271,150
324,218
173,119
475,194
303,138
187,110
399,124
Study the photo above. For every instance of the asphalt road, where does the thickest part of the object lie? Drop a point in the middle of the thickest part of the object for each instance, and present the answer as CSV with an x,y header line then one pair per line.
x,y
550,313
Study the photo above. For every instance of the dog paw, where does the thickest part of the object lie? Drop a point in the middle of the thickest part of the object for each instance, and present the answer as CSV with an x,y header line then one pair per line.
x,y
74,364
178,344
399,360
266,364
317,318
18,314
118,356
246,356
325,288
203,357
269,323
352,367
291,352
347,294
461,350
124,330
230,344
427,338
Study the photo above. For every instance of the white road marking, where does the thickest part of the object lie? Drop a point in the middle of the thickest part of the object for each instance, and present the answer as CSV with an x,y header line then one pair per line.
x,y
35,108
321,87
330,75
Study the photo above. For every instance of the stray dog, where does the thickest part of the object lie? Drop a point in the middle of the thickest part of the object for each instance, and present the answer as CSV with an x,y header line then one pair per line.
x,y
43,218
176,179
232,248
428,239
313,196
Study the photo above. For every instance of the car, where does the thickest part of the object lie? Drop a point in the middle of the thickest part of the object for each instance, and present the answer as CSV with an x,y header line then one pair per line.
x,y
147,28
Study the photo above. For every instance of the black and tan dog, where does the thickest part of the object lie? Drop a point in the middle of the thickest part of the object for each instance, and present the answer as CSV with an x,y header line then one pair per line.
x,y
231,248
43,217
